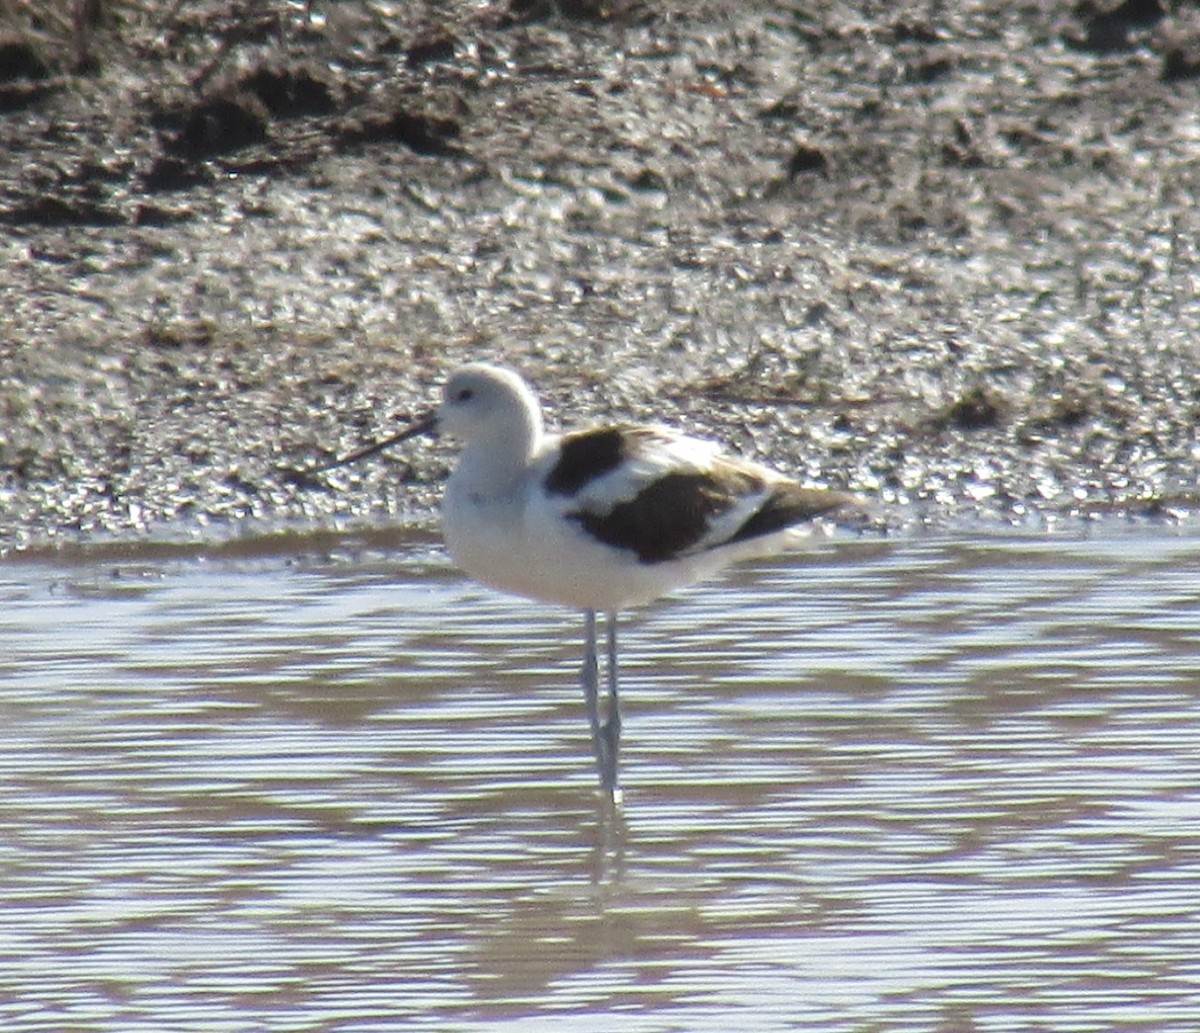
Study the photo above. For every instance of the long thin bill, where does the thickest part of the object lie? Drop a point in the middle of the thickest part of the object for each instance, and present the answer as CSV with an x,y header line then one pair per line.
x,y
423,426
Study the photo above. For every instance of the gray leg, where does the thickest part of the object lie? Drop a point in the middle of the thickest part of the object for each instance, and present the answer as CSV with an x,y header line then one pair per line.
x,y
611,729
591,687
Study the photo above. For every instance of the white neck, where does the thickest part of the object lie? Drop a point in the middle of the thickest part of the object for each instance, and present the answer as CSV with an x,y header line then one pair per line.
x,y
497,457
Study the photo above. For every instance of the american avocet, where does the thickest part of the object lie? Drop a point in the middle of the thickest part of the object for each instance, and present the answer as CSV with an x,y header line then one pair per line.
x,y
599,519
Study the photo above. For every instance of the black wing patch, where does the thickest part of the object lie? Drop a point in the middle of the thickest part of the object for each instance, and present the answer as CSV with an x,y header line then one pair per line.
x,y
585,456
667,517
671,516
589,454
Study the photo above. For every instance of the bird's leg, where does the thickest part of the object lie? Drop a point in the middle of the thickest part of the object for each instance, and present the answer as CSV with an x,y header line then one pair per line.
x,y
591,688
611,730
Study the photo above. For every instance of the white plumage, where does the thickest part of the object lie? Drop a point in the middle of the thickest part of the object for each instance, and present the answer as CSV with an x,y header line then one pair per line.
x,y
518,537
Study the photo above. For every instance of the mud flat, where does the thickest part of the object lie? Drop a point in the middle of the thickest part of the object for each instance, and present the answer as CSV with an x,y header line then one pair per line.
x,y
945,256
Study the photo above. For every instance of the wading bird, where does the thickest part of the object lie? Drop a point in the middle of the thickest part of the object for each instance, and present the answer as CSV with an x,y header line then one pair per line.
x,y
598,519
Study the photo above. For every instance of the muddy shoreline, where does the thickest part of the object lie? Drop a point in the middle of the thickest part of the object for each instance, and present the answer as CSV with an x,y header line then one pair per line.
x,y
947,260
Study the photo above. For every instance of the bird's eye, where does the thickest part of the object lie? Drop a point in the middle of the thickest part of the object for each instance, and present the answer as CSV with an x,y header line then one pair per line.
x,y
464,395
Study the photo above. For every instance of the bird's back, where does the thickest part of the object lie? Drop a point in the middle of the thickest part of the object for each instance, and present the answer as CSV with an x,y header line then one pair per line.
x,y
616,516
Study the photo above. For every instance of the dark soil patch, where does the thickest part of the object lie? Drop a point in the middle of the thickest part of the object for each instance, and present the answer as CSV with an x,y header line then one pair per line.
x,y
292,92
980,408
51,210
168,173
403,120
220,124
429,47
1119,28
25,79
19,59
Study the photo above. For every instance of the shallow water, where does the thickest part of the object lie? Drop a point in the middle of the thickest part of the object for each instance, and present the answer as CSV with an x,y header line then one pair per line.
x,y
932,786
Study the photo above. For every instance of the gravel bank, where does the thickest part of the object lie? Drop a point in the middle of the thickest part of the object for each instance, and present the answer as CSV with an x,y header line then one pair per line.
x,y
948,260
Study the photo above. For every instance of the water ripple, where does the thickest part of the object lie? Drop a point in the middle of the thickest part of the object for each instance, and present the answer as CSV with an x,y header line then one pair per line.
x,y
903,786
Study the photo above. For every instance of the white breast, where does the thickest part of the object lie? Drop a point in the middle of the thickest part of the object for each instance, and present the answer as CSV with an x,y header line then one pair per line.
x,y
520,542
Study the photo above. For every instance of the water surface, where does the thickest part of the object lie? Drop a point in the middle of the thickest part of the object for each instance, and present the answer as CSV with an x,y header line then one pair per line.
x,y
941,785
